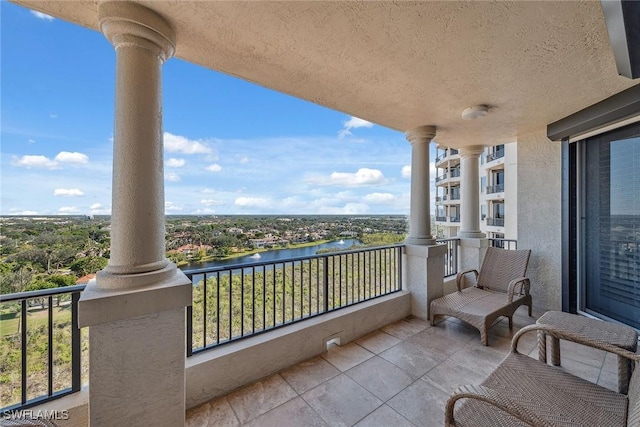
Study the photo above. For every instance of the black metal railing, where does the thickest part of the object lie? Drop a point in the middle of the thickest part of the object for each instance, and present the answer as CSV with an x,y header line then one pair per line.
x,y
441,157
455,196
495,222
453,151
498,188
455,173
234,302
451,256
36,335
511,244
441,218
454,219
441,177
495,155
440,198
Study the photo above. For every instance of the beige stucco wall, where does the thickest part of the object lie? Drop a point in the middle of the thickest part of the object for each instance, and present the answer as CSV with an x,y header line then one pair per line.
x,y
539,216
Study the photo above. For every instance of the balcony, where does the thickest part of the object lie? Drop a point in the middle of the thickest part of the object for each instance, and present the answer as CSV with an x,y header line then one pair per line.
x,y
441,218
455,173
495,222
454,219
498,188
495,155
441,177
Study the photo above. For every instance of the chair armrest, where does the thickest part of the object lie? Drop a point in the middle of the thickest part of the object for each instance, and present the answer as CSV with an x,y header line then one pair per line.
x,y
491,397
525,286
461,275
564,334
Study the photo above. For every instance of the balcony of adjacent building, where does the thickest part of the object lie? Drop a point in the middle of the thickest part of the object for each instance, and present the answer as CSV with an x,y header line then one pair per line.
x,y
294,370
446,157
494,156
447,176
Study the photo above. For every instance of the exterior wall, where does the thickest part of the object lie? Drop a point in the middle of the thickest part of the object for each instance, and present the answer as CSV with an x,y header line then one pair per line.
x,y
539,216
511,191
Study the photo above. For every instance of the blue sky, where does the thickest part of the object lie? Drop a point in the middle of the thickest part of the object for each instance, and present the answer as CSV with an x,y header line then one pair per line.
x,y
231,147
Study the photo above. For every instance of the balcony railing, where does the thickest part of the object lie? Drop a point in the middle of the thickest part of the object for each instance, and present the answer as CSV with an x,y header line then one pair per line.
x,y
451,256
495,222
453,151
441,218
440,198
441,157
454,219
441,177
498,188
455,173
38,347
455,196
510,244
495,155
234,302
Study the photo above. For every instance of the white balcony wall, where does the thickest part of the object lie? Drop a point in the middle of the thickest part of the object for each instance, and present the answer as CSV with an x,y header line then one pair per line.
x,y
539,216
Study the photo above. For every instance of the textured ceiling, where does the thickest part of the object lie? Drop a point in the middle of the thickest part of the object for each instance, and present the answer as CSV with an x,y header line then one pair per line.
x,y
403,64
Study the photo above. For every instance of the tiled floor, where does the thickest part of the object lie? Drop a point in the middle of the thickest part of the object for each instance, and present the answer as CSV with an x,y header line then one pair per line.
x,y
400,375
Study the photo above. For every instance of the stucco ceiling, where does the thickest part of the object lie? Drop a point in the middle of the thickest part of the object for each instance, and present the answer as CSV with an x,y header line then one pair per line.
x,y
403,64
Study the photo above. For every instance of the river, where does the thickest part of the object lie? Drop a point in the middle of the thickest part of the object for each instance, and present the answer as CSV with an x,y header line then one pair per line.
x,y
273,255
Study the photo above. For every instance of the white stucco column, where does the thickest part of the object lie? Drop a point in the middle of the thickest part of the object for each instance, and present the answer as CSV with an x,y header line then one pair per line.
x,y
469,187
423,259
135,309
420,205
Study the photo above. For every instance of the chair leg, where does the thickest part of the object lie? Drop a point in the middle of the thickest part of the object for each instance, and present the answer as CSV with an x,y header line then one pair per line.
x,y
510,322
484,338
530,313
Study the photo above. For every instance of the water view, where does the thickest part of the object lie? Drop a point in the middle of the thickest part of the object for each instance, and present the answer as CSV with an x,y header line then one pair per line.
x,y
274,255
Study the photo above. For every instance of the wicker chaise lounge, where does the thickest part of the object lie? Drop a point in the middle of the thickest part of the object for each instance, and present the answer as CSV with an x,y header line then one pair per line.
x,y
501,287
523,391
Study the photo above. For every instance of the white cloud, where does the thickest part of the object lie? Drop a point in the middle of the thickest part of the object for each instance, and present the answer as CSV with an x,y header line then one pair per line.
x,y
68,192
172,176
75,158
180,144
244,159
171,207
66,210
214,168
353,123
98,209
208,191
211,202
205,211
379,198
363,177
39,162
53,115
252,202
31,141
175,163
348,209
19,212
406,171
41,15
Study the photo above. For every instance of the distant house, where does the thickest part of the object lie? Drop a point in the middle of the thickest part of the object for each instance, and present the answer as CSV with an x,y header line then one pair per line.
x,y
85,279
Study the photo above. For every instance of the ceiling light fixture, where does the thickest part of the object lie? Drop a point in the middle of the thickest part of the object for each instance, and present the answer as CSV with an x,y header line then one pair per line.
x,y
475,112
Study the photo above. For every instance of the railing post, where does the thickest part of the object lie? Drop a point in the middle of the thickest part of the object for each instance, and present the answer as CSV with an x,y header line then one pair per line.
x,y
189,320
325,284
76,348
23,344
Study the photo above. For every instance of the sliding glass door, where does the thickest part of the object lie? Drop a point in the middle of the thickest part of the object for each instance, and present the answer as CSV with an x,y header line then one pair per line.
x,y
609,225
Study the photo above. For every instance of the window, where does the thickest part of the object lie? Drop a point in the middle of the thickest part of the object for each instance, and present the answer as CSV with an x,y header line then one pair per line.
x,y
609,190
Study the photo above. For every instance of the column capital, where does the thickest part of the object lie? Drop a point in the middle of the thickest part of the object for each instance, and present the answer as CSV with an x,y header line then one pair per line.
x,y
471,151
126,23
421,134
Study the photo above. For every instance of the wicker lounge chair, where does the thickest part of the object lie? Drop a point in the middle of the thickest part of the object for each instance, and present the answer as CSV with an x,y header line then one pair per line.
x,y
501,287
523,391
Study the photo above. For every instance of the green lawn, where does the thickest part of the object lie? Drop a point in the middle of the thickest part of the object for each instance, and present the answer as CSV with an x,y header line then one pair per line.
x,y
10,321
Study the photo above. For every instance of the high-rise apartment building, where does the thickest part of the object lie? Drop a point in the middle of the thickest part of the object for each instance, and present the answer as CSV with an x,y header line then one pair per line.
x,y
498,181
